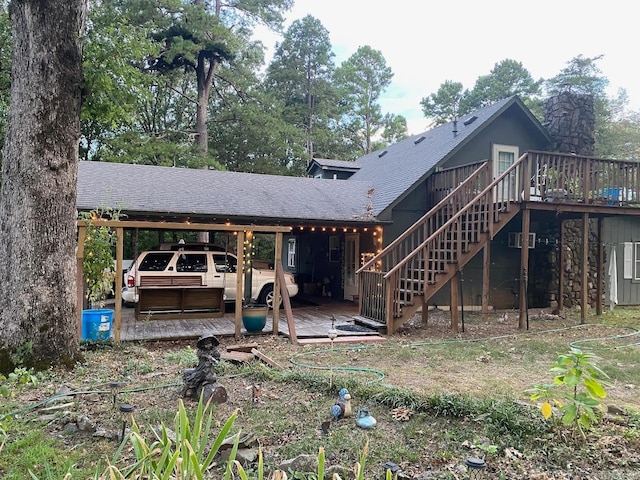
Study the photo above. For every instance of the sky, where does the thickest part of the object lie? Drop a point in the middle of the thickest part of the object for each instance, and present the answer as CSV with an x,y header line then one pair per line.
x,y
426,42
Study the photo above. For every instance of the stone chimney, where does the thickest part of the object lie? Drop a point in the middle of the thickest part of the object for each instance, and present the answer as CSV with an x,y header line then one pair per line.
x,y
570,120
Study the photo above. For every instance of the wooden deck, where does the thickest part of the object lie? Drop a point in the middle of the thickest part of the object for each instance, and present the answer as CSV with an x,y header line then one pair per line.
x,y
312,324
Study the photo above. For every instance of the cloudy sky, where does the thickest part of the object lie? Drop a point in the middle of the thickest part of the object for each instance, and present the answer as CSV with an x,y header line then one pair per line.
x,y
426,42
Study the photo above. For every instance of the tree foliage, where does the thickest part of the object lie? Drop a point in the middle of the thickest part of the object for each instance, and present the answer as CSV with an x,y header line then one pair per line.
x,y
446,103
300,75
362,79
507,78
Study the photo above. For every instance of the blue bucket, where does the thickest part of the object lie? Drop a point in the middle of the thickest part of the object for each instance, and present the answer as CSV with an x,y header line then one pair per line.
x,y
97,324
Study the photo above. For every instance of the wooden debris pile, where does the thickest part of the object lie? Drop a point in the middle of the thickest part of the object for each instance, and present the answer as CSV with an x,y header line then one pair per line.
x,y
247,352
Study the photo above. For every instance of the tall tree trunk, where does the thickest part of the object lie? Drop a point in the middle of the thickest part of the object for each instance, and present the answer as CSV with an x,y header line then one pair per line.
x,y
203,87
38,195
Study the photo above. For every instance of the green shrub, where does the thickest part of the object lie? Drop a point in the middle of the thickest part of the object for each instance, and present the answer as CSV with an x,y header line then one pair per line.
x,y
576,392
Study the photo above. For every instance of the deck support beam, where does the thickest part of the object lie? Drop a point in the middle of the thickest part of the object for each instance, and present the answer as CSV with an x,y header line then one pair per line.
x,y
524,270
562,261
455,301
486,279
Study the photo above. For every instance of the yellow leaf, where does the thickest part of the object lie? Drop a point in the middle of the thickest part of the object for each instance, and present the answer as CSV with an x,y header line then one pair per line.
x,y
546,409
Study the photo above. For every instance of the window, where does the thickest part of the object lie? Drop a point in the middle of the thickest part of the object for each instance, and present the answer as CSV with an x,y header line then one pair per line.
x,y
225,263
191,262
636,261
155,262
503,157
291,253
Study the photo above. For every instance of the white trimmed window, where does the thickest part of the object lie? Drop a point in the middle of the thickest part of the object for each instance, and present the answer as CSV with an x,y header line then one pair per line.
x,y
291,253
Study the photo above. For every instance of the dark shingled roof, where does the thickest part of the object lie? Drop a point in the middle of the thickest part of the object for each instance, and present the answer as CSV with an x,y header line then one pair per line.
x,y
395,169
181,191
339,164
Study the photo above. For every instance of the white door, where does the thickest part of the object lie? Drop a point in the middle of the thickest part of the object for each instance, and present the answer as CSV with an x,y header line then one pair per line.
x,y
351,264
503,157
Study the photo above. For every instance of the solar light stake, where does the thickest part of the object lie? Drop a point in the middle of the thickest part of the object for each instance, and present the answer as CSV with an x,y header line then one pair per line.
x,y
332,334
125,411
476,468
115,389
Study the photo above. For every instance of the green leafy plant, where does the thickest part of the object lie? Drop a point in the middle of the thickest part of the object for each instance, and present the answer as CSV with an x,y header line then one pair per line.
x,y
188,455
98,263
19,378
576,392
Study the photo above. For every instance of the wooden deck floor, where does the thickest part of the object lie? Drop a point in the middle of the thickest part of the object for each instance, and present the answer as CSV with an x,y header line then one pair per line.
x,y
312,324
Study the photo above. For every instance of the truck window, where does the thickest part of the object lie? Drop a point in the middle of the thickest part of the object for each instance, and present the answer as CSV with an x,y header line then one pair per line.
x,y
191,262
155,262
225,263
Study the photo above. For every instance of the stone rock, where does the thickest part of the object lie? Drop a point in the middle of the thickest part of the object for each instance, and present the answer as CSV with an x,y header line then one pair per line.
x,y
615,410
301,463
70,428
246,456
426,476
246,441
103,433
341,470
85,424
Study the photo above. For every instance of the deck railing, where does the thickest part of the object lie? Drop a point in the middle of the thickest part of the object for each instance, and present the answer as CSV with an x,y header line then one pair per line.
x,y
579,179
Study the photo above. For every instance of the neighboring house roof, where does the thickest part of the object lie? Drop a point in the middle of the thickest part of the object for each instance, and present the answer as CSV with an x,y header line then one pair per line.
x,y
172,191
395,170
327,164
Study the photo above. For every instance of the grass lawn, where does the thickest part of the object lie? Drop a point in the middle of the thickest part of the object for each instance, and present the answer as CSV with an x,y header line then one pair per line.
x,y
438,399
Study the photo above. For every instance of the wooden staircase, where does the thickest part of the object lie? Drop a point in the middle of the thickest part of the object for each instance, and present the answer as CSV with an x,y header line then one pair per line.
x,y
407,273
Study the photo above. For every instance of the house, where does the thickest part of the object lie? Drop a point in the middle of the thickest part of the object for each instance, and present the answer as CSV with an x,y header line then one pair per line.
x,y
331,169
404,227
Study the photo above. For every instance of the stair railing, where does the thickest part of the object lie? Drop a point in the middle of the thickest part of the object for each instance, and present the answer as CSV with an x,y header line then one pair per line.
x,y
370,276
419,269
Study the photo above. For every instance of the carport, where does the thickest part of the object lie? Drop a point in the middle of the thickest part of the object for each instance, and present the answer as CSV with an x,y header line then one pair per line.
x,y
241,232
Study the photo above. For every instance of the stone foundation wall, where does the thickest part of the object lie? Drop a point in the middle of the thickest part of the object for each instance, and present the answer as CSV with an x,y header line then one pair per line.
x,y
572,275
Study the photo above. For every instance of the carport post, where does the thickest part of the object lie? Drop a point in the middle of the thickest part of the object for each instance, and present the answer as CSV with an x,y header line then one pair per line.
x,y
117,314
276,284
239,281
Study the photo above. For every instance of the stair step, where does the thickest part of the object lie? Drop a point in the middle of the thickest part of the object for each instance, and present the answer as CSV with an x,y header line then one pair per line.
x,y
370,323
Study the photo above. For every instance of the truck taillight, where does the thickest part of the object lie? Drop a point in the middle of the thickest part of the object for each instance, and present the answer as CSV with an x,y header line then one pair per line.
x,y
131,281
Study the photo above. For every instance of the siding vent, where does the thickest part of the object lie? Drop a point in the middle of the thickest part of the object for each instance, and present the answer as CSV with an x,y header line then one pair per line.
x,y
382,153
470,120
419,139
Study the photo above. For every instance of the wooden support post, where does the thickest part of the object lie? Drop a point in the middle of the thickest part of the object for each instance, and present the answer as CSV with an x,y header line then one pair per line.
x,y
600,285
117,314
277,283
585,268
82,233
239,281
286,302
425,311
562,261
486,279
524,269
454,302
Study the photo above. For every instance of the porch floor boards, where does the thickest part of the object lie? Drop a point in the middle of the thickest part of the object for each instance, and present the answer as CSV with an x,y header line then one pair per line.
x,y
311,323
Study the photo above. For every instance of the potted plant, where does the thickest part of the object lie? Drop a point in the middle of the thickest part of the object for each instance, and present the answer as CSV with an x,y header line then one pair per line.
x,y
98,273
254,317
